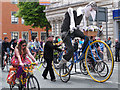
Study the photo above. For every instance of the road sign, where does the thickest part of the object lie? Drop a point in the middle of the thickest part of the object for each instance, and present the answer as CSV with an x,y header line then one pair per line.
x,y
101,15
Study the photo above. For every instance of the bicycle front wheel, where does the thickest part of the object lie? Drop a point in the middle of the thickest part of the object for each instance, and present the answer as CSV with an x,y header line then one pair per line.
x,y
63,71
99,61
68,64
32,83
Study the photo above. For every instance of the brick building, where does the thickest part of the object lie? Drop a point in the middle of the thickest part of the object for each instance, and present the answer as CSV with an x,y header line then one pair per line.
x,y
13,27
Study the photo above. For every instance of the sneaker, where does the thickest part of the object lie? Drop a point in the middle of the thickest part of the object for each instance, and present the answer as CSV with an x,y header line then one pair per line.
x,y
61,63
44,77
17,81
53,80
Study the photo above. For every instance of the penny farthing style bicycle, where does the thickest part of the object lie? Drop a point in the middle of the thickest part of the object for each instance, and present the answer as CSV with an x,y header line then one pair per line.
x,y
99,66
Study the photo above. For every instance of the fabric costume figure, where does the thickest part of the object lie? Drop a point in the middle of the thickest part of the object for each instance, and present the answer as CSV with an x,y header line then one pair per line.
x,y
70,28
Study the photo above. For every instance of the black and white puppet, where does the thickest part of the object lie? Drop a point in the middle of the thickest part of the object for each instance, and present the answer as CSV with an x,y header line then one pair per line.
x,y
70,28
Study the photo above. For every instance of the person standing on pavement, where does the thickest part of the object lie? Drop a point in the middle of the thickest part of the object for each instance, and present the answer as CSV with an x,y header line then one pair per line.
x,y
117,49
109,42
48,56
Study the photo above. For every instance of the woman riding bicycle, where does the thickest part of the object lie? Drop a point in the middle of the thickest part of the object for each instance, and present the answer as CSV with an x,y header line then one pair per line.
x,y
20,58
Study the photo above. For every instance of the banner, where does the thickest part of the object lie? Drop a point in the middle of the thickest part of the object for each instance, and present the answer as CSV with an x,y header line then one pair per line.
x,y
44,2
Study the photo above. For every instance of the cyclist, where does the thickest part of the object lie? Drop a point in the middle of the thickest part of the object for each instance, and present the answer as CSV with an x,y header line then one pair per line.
x,y
31,46
20,58
5,50
37,46
13,45
70,28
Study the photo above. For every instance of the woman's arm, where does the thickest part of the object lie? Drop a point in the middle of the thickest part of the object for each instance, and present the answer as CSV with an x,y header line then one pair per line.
x,y
30,55
18,56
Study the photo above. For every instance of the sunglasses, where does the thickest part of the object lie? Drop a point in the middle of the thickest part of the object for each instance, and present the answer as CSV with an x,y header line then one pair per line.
x,y
24,45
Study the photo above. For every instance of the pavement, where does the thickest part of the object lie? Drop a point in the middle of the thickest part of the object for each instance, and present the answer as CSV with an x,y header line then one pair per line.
x,y
78,81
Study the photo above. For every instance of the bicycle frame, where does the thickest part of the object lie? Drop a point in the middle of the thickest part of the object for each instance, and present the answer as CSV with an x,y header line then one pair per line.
x,y
79,58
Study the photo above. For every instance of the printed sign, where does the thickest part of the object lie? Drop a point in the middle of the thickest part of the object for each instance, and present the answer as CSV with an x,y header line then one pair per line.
x,y
116,14
44,2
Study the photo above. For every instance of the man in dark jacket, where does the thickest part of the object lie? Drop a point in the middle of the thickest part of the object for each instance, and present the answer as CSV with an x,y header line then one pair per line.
x,y
48,56
117,49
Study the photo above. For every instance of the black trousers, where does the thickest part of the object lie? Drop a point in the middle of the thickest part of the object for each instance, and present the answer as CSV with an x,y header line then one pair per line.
x,y
49,68
2,60
67,41
117,55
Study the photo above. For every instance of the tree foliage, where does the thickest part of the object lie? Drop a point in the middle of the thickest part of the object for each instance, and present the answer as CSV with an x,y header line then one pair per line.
x,y
33,14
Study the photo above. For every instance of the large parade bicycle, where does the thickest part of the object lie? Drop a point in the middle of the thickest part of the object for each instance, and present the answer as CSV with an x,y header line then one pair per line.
x,y
30,82
98,65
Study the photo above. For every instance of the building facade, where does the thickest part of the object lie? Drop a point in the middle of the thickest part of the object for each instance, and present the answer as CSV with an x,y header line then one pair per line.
x,y
13,27
55,15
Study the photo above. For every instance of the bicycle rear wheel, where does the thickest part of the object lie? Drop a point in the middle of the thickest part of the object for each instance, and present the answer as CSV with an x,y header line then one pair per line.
x,y
68,64
32,83
98,64
63,71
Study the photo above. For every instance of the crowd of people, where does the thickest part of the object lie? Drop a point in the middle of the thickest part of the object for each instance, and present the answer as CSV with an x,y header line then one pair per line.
x,y
34,47
20,51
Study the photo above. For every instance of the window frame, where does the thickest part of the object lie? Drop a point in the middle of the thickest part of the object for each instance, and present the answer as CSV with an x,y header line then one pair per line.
x,y
22,35
13,32
14,18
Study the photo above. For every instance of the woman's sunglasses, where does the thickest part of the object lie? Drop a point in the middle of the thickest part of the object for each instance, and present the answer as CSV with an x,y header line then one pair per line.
x,y
24,45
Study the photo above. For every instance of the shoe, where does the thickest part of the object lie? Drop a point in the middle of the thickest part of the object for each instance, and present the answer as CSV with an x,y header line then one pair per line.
x,y
63,61
53,80
44,77
17,81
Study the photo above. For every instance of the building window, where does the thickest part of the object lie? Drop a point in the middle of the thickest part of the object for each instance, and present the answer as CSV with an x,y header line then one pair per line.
x,y
22,20
15,35
25,36
34,35
14,20
43,36
14,1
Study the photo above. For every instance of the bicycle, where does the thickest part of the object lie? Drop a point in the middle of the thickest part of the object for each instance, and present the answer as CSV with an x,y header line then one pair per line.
x,y
40,58
6,61
30,82
93,69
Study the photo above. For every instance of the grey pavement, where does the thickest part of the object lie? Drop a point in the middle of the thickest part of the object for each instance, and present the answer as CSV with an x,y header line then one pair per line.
x,y
76,81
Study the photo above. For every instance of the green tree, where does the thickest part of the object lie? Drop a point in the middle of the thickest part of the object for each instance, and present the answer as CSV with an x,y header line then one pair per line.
x,y
33,14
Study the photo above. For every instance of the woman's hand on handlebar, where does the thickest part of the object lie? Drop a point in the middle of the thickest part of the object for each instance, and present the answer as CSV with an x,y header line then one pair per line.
x,y
21,64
